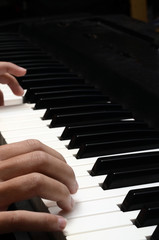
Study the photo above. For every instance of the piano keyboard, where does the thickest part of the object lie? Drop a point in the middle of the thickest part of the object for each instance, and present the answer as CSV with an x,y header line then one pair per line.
x,y
97,139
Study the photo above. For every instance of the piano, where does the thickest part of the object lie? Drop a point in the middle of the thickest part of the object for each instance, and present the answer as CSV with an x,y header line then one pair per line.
x,y
91,93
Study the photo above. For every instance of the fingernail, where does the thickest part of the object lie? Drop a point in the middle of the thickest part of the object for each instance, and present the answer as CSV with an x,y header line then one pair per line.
x,y
62,222
71,203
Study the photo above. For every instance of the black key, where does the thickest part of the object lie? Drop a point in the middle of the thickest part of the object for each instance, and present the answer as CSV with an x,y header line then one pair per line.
x,y
100,149
80,109
155,235
51,81
132,161
77,140
140,198
19,53
32,61
68,101
147,217
6,45
45,75
45,69
72,92
25,56
9,34
125,178
30,94
69,131
89,117
25,62
41,64
11,41
18,49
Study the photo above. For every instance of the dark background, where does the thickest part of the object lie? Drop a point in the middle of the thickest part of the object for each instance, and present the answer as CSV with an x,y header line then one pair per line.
x,y
11,9
14,9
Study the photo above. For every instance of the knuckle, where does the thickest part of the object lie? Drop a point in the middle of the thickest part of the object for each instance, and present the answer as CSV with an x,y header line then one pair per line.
x,y
34,143
35,181
15,218
39,157
47,221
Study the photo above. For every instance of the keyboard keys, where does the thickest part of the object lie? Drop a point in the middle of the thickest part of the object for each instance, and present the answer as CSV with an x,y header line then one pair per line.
x,y
107,148
129,161
89,117
155,235
24,56
124,177
70,131
77,140
30,95
68,100
147,217
64,93
55,79
139,198
85,108
88,121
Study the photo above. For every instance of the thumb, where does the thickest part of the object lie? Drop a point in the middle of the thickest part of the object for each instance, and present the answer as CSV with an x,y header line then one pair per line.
x,y
20,220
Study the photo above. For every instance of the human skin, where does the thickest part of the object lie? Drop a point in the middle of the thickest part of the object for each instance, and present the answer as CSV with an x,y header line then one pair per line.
x,y
28,169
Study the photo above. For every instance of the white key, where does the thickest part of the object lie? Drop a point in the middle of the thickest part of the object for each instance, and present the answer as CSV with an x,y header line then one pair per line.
x,y
27,114
73,161
98,193
40,136
122,233
56,144
15,110
9,97
88,181
12,100
31,130
82,170
146,231
89,208
24,124
96,223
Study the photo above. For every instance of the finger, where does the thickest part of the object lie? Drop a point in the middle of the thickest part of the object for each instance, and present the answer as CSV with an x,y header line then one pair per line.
x,y
18,148
12,82
40,162
7,67
1,99
20,220
35,185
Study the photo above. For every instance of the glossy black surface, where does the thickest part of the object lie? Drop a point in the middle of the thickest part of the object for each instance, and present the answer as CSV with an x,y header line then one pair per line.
x,y
140,198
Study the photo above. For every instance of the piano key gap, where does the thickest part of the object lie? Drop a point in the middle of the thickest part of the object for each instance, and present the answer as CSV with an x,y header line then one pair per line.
x,y
133,221
148,238
119,206
89,171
